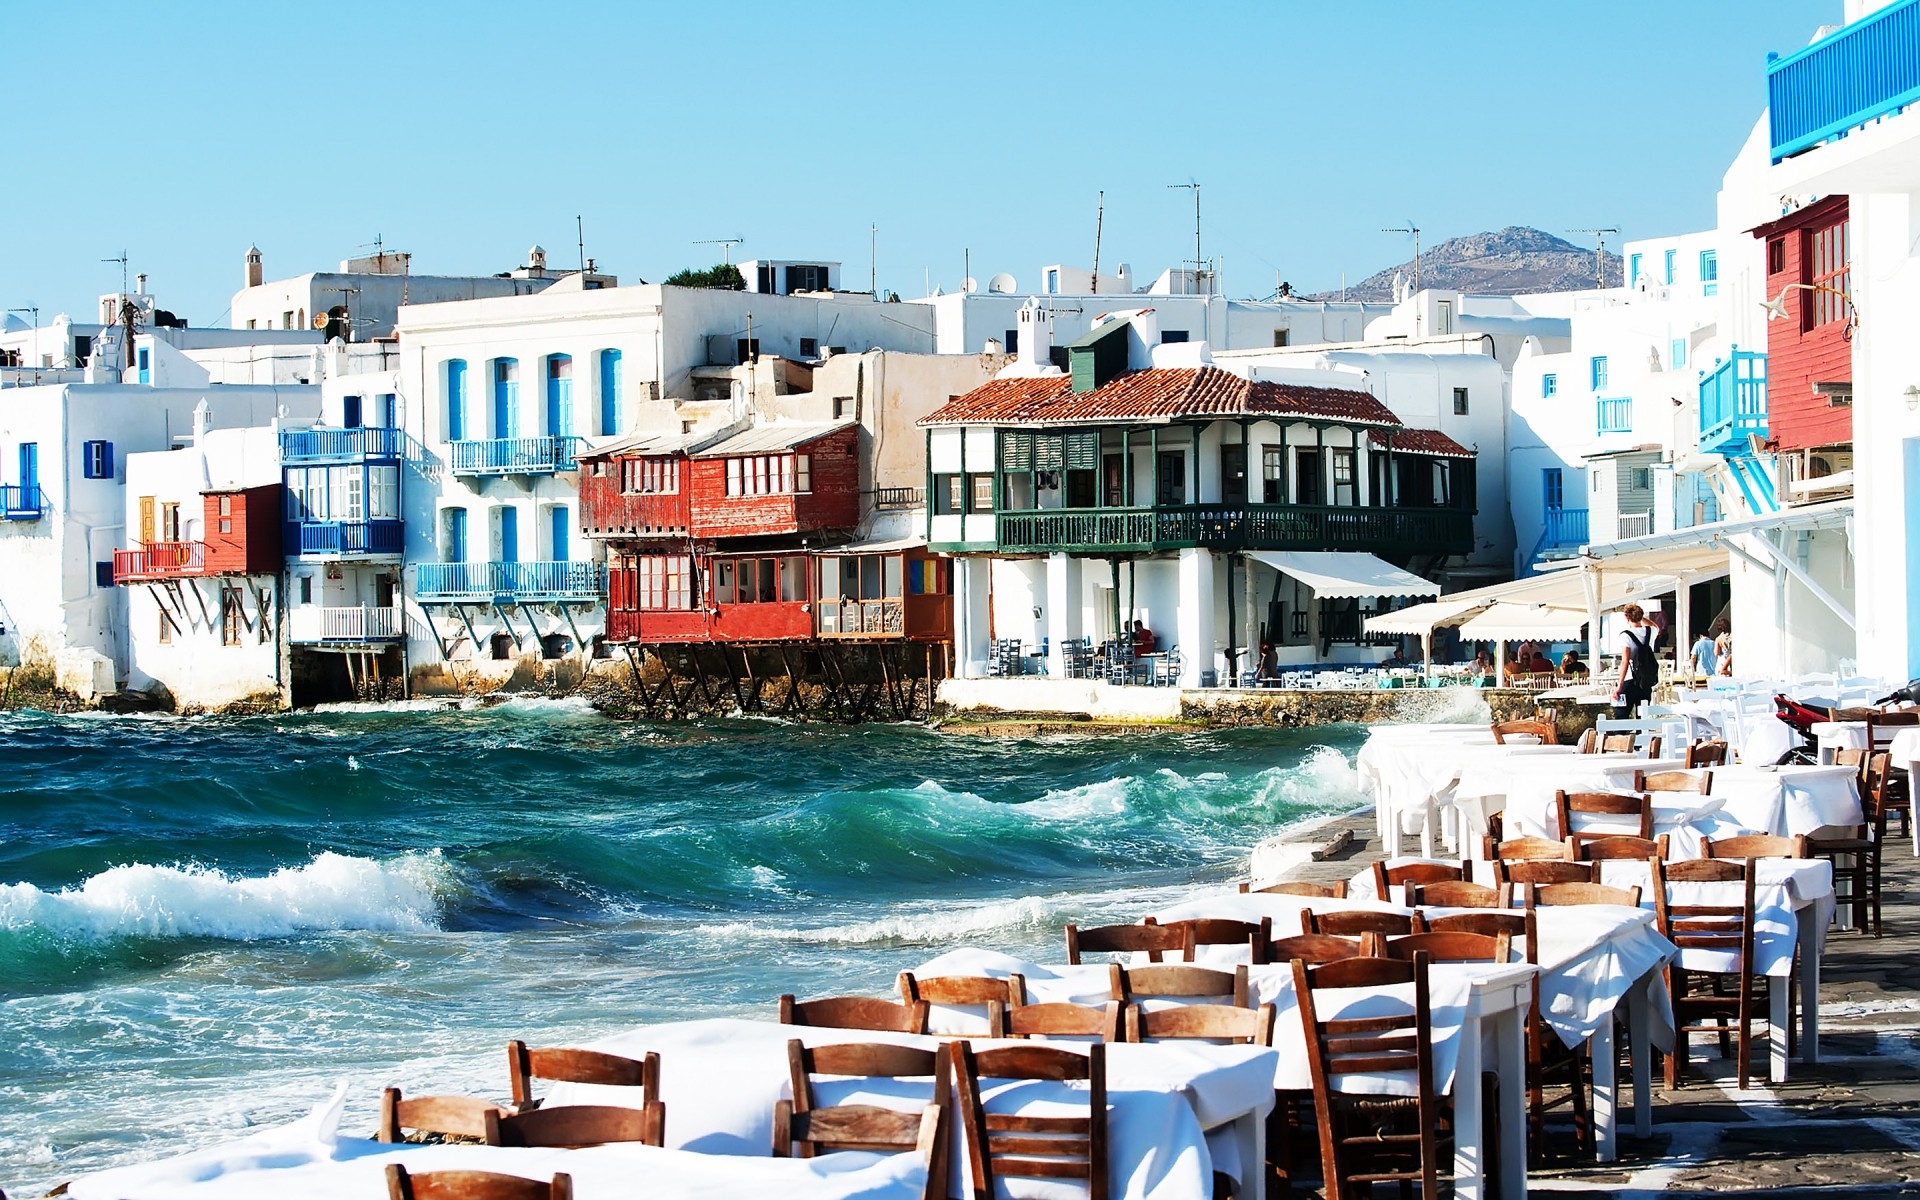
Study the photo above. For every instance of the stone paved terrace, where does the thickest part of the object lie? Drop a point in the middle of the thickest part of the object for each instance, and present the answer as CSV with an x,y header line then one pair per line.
x,y
1847,1127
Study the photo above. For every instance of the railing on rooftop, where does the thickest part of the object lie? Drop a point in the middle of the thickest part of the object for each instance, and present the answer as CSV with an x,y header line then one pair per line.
x,y
508,582
160,560
1614,414
20,502
1857,74
1632,525
356,444
1733,402
897,497
1241,527
1564,527
308,624
345,538
513,456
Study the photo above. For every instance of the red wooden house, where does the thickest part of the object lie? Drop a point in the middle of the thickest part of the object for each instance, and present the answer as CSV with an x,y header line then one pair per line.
x,y
777,480
1810,351
240,535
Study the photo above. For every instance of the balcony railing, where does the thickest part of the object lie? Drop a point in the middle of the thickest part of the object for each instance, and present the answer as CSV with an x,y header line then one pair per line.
x,y
310,624
513,456
359,444
1632,525
344,538
1733,403
505,582
1614,415
1564,527
1241,527
1867,70
862,618
22,503
160,560
898,497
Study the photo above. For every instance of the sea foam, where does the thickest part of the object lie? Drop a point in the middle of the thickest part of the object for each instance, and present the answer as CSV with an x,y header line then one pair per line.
x,y
330,892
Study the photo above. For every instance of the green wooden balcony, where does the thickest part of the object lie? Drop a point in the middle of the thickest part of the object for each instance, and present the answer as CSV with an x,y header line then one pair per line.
x,y
1384,531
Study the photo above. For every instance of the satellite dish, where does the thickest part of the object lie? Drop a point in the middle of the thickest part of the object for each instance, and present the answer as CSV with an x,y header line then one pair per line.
x,y
1001,284
969,285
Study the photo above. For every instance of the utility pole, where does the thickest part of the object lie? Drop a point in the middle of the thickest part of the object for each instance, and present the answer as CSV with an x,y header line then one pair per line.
x,y
1199,264
1413,229
1599,252
1099,220
873,268
580,232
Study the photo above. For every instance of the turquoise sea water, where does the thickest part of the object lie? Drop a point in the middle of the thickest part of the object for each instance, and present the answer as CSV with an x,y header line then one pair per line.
x,y
206,924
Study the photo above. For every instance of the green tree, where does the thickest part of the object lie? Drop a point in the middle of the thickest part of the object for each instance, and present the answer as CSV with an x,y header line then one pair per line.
x,y
721,275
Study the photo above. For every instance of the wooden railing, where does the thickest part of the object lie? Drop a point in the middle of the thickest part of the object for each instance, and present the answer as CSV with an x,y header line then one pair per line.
x,y
1240,527
310,623
1860,73
22,502
513,456
347,537
440,583
160,560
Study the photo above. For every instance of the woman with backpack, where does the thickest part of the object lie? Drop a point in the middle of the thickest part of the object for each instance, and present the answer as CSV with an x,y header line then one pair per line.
x,y
1639,669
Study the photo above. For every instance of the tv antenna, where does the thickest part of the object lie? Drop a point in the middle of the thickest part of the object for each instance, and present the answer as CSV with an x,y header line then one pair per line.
x,y
1199,264
1599,252
1099,219
1413,229
122,260
726,247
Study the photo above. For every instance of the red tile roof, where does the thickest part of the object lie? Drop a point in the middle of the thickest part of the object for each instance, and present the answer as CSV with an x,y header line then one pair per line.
x,y
1420,441
1155,395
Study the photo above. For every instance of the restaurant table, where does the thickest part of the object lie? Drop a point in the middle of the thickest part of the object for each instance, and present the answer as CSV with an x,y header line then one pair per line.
x,y
1411,771
1905,753
1476,1008
309,1159
1788,800
1830,736
1522,788
720,1079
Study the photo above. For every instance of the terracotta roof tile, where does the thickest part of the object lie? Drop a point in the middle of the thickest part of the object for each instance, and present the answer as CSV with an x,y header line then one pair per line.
x,y
1155,395
1421,441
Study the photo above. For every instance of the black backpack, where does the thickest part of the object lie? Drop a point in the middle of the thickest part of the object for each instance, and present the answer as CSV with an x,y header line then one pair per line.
x,y
1643,670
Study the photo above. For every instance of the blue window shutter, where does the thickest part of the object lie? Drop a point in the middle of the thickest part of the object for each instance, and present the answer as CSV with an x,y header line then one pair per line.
x,y
610,422
103,574
558,516
457,535
509,534
1633,270
1549,385
106,460
1677,356
456,399
1669,267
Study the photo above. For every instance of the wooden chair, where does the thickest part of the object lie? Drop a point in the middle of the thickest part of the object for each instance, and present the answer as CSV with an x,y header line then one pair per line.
x,y
803,1127
1365,1139
1314,948
1062,1020
1524,727
854,1012
1898,793
473,1185
1514,923
1723,928
1148,937
865,1127
1629,814
1221,931
1589,742
455,1116
967,991
1525,849
1179,981
1214,1022
861,1060
1707,754
1456,893
1453,947
1531,871
1624,849
1328,891
575,1125
1673,781
1001,1146
1551,894
1854,852
1385,877
564,1064
1354,922
1754,845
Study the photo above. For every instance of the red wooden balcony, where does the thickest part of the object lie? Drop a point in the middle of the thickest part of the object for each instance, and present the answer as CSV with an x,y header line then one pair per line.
x,y
160,560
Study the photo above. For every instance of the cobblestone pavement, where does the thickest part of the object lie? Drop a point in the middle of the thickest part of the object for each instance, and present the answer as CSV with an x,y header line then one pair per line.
x,y
1849,1126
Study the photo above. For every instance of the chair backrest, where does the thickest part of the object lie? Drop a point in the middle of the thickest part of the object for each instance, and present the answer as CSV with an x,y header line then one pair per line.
x,y
1354,922
1693,926
1177,980
1526,849
1515,924
576,1125
1754,845
461,1116
1623,849
1673,781
566,1064
1385,877
1707,754
1616,743
966,991
1882,726
1453,946
1549,895
1529,871
858,1059
803,1127
1294,887
1589,742
1221,931
1314,948
1527,727
1147,938
1630,815
473,1185
1213,1022
1060,1019
1001,1146
855,1012
1456,893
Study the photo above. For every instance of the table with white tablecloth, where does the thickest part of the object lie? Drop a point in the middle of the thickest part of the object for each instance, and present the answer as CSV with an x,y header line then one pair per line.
x,y
1523,788
1787,800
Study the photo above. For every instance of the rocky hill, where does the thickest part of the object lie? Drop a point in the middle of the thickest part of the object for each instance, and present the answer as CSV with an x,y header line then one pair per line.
x,y
1506,262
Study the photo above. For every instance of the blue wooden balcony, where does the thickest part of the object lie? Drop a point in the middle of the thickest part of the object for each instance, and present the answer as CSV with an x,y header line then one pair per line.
x,y
1564,527
344,539
509,583
22,502
1613,414
1733,403
359,444
1857,74
513,456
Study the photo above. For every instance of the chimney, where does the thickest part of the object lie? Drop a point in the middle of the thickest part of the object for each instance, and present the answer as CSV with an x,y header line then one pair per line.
x,y
202,420
140,284
1036,333
254,270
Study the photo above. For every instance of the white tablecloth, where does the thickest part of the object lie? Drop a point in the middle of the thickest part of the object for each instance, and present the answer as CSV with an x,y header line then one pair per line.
x,y
1788,800
308,1160
1523,788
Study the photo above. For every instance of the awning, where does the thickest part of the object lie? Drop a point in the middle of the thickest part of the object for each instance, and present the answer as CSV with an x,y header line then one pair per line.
x,y
1342,574
1513,622
1420,619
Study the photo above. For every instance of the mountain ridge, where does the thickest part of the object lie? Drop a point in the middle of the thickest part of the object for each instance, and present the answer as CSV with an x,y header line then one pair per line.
x,y
1513,261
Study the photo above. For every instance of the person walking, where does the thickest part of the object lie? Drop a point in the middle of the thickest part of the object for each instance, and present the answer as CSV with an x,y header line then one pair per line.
x,y
1706,658
1639,669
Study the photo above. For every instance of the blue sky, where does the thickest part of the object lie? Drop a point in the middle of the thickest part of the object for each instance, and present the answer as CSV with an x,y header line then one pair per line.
x,y
466,133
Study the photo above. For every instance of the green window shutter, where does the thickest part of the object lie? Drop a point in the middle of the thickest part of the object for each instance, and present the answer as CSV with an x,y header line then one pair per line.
x,y
1048,452
1083,451
1016,452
